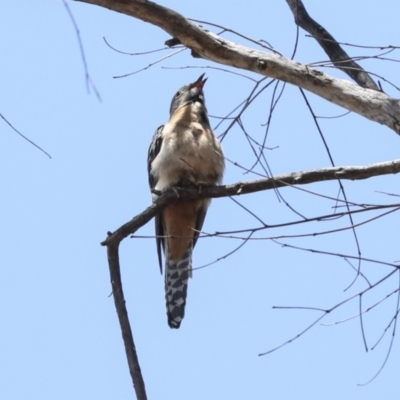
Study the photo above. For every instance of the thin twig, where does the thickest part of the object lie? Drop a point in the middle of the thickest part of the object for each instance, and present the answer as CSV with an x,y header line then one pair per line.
x,y
151,64
23,136
365,311
214,68
134,54
88,79
324,311
339,181
395,319
330,253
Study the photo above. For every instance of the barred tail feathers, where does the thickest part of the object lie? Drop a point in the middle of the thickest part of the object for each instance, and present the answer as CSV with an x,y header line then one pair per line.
x,y
177,274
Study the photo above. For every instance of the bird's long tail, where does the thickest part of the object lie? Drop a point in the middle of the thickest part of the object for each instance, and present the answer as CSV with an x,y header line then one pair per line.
x,y
177,274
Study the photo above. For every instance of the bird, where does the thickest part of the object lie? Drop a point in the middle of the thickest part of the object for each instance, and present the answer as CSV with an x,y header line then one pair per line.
x,y
184,151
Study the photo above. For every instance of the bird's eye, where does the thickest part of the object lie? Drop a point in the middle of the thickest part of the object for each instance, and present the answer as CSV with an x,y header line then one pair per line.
x,y
179,94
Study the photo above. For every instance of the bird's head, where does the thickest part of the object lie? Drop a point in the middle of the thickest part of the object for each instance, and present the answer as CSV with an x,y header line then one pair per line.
x,y
189,94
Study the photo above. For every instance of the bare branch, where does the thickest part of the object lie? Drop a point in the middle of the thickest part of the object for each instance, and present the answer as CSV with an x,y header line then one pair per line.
x,y
88,79
331,47
240,188
371,104
366,310
23,136
326,312
339,182
151,64
330,253
130,349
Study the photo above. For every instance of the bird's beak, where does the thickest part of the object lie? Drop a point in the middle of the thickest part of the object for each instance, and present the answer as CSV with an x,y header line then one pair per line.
x,y
199,83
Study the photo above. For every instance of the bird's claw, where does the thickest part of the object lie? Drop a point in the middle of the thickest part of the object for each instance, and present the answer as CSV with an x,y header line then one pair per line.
x,y
176,192
156,192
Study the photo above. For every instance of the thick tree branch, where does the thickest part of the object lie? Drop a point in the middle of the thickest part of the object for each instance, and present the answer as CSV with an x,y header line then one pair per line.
x,y
240,188
332,48
371,104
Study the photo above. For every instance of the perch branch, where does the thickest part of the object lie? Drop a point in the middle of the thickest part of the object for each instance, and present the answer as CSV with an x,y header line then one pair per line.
x,y
113,240
240,188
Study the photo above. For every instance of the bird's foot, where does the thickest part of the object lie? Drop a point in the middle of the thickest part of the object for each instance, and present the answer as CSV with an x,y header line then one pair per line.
x,y
176,191
156,192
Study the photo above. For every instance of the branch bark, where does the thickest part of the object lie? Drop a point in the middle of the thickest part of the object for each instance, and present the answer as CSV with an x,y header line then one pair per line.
x,y
371,104
331,47
114,239
240,188
119,300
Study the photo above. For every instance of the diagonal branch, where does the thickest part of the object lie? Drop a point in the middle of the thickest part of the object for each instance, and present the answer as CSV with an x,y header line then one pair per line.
x,y
331,47
23,136
371,104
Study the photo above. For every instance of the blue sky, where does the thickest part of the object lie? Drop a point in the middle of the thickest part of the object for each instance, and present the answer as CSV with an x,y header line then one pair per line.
x,y
60,338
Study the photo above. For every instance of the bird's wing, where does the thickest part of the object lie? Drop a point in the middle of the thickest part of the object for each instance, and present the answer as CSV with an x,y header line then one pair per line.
x,y
154,149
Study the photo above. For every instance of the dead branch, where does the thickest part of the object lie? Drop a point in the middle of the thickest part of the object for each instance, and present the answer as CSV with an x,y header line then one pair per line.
x,y
113,240
331,47
119,299
240,188
325,311
23,136
368,103
88,78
